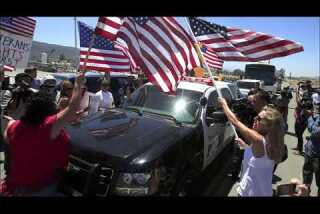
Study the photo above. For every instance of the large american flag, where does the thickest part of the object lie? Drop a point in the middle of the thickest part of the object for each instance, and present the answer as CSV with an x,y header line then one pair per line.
x,y
233,44
211,58
9,68
108,27
104,55
159,45
23,26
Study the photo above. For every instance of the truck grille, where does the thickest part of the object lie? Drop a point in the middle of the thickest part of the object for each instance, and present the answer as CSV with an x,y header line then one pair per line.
x,y
86,179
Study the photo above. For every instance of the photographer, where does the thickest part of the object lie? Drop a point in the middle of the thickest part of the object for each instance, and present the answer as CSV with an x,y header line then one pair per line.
x,y
282,103
301,116
20,95
35,84
312,152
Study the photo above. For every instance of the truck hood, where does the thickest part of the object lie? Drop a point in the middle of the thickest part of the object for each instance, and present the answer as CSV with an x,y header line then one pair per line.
x,y
123,135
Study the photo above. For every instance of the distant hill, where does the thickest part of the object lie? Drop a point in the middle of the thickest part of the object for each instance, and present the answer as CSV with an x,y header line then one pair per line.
x,y
55,50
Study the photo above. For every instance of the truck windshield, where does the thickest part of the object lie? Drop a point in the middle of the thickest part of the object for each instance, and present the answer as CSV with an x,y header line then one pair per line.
x,y
246,85
184,106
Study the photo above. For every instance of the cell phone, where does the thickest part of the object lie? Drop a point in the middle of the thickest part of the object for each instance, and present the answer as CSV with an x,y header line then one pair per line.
x,y
286,189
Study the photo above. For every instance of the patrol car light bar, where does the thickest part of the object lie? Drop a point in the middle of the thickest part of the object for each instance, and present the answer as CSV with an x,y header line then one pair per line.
x,y
206,81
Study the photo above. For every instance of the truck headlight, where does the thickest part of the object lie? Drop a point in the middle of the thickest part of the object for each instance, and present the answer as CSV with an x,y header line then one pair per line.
x,y
135,184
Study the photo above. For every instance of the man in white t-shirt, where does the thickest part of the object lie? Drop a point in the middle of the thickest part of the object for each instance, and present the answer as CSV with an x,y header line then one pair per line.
x,y
105,96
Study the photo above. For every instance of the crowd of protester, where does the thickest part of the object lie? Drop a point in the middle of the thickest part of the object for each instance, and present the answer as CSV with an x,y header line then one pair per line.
x,y
34,114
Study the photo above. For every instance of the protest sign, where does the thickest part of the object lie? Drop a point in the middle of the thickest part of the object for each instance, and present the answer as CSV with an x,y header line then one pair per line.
x,y
14,49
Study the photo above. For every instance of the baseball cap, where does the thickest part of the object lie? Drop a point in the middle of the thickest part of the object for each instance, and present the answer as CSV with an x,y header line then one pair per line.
x,y
48,80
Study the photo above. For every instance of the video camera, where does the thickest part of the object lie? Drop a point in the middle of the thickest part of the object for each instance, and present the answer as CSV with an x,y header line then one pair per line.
x,y
306,103
244,110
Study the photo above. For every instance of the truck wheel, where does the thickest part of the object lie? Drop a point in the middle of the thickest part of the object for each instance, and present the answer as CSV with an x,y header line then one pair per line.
x,y
182,187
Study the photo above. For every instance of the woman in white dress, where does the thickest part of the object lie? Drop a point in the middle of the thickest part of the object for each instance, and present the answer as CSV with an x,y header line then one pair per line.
x,y
263,148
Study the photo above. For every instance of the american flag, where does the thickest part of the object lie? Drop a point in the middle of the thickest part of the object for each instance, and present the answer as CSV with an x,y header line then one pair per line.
x,y
108,27
211,58
232,44
104,56
7,68
23,26
160,46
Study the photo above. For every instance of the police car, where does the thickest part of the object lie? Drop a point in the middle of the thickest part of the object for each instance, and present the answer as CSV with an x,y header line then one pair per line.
x,y
154,146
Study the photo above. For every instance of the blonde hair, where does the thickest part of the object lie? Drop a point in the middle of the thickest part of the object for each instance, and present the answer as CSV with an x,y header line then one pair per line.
x,y
275,142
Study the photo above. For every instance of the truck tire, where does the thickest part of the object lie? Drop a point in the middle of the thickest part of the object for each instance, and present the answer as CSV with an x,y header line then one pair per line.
x,y
182,186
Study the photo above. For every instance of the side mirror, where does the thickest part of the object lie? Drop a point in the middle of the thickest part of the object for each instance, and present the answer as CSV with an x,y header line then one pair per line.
x,y
203,101
217,117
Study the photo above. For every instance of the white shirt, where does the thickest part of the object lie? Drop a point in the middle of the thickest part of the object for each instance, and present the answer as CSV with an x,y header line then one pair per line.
x,y
256,179
315,98
106,99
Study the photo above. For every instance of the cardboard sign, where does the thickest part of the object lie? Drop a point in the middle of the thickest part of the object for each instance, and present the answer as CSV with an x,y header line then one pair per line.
x,y
14,49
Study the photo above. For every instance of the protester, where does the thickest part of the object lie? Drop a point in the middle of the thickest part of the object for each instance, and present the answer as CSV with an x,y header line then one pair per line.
x,y
300,92
106,98
48,84
301,121
83,110
65,95
264,150
2,93
316,100
312,152
35,84
282,103
125,98
39,146
258,99
20,95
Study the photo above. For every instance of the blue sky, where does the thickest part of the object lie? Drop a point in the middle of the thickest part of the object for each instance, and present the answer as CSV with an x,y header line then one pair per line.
x,y
305,30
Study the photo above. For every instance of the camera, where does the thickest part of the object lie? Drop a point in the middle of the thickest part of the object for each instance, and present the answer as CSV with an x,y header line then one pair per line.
x,y
244,110
306,103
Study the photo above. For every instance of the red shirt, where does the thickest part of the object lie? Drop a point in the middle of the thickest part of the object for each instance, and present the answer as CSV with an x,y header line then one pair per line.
x,y
34,157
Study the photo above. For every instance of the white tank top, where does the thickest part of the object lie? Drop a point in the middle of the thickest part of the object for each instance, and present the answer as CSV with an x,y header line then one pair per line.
x,y
256,179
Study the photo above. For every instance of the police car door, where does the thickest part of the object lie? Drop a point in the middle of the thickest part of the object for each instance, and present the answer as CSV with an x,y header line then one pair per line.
x,y
213,133
228,132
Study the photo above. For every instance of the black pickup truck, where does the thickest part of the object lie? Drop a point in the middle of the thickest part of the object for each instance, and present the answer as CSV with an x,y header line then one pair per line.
x,y
154,146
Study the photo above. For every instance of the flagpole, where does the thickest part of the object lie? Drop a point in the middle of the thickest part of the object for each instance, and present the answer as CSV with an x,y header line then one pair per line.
x,y
75,35
203,60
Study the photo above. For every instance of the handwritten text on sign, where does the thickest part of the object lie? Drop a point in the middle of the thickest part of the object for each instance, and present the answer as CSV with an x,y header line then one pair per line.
x,y
14,49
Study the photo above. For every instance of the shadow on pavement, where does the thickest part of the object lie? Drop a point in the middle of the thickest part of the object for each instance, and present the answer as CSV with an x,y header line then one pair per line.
x,y
291,134
276,179
215,180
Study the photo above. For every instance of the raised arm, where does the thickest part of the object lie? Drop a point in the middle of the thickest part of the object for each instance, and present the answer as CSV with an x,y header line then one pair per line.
x,y
250,135
67,115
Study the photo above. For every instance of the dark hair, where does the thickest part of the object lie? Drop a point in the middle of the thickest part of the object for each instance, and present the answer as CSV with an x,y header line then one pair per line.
x,y
29,70
252,91
39,106
262,94
20,76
